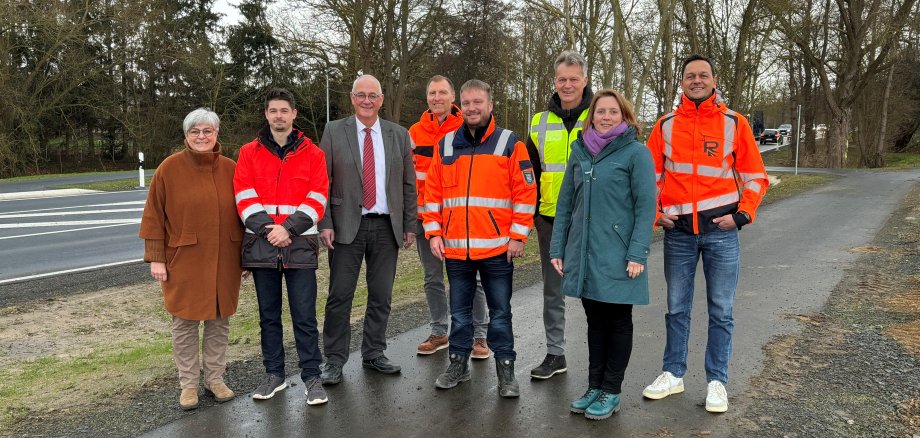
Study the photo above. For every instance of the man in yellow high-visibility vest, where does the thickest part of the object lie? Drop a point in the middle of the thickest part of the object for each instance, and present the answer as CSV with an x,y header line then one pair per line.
x,y
551,135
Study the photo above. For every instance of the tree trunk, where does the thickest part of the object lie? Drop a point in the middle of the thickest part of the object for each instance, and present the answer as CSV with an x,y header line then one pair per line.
x,y
876,156
838,131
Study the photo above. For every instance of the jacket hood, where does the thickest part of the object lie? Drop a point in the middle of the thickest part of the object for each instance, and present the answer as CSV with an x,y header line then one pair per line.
x,y
429,122
711,105
481,134
301,141
555,104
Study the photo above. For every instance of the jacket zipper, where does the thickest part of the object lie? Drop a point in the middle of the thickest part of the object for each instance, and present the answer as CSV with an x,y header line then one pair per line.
x,y
494,224
469,178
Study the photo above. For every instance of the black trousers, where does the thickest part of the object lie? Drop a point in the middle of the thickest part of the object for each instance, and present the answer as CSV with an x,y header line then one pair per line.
x,y
610,334
374,244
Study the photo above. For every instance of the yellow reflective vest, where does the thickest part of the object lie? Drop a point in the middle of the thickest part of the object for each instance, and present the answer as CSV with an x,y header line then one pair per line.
x,y
548,133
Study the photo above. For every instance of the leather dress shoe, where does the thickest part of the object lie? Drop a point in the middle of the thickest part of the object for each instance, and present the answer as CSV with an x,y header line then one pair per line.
x,y
382,365
331,373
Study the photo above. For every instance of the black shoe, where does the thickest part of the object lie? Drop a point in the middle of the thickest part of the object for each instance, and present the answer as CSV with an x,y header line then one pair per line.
x,y
382,365
507,385
331,373
458,371
270,385
551,366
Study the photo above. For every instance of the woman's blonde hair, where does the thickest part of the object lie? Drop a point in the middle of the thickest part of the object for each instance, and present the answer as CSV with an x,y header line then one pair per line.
x,y
626,108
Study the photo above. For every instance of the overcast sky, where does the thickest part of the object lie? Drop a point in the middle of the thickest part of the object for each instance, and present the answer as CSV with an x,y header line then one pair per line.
x,y
228,9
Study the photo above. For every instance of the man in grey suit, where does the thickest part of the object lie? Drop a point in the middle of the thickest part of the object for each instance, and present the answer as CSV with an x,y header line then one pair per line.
x,y
372,212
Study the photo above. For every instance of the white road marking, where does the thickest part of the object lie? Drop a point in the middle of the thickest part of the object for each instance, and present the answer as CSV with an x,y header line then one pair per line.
x,y
69,271
71,223
20,196
62,231
110,204
68,213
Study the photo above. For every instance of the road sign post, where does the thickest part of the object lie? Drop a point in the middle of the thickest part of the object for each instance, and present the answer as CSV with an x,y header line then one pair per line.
x,y
798,137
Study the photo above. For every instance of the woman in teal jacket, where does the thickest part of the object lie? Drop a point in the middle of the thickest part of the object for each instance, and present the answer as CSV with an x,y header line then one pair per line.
x,y
601,239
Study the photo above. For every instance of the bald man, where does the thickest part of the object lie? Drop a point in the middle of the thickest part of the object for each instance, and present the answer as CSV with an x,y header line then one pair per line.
x,y
372,212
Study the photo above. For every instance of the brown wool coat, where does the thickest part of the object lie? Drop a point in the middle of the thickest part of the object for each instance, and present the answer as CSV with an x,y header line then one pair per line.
x,y
190,223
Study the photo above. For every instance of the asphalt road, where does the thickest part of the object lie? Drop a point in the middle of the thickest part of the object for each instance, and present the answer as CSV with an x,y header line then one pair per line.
x,y
792,258
46,183
61,234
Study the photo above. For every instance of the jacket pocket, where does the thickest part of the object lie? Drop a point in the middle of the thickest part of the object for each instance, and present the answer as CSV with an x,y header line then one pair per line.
x,y
617,230
494,224
174,247
302,252
450,175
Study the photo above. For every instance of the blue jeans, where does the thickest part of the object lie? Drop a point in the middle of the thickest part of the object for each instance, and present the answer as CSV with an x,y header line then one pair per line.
x,y
495,273
721,266
301,288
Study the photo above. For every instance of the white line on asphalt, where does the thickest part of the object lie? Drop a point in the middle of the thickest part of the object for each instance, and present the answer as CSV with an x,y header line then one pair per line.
x,y
69,223
110,204
44,194
68,213
69,271
62,231
4,197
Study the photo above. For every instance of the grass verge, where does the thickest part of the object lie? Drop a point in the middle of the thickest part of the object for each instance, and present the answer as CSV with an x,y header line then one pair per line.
x,y
116,185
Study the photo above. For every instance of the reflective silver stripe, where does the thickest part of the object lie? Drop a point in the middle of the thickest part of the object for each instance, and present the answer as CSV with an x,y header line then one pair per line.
x,y
678,167
431,206
246,194
520,229
431,226
476,201
667,131
541,133
477,243
578,124
312,230
318,197
271,209
677,210
448,144
310,211
286,209
251,210
752,176
730,127
250,231
718,201
657,177
421,175
553,167
502,143
752,185
524,208
715,172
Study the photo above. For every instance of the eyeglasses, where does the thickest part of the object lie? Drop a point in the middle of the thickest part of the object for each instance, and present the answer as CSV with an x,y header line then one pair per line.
x,y
197,132
363,96
563,81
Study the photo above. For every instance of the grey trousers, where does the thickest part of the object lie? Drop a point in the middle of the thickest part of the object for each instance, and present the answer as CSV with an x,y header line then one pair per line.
x,y
375,244
553,300
213,346
436,294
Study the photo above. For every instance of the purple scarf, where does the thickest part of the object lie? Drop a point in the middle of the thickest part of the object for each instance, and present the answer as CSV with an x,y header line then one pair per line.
x,y
595,141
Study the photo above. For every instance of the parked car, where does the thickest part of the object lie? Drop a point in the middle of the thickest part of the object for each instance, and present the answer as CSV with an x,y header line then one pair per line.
x,y
771,136
785,129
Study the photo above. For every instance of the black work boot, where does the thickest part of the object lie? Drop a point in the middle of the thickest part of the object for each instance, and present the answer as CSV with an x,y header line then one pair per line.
x,y
458,371
507,386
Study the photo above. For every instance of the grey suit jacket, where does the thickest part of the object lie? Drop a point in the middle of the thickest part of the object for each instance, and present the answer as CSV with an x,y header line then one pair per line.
x,y
346,192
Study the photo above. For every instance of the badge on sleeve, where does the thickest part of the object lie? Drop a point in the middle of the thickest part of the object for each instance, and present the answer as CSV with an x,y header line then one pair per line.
x,y
528,176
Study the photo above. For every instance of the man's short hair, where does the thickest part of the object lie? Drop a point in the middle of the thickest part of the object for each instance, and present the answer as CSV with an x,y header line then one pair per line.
x,y
354,85
477,84
201,116
696,57
439,78
279,94
569,57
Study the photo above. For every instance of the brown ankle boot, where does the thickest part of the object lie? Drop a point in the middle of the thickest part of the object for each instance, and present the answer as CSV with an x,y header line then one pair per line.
x,y
220,391
188,400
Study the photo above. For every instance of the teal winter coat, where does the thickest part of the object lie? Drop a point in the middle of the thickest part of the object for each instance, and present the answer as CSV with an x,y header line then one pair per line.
x,y
604,219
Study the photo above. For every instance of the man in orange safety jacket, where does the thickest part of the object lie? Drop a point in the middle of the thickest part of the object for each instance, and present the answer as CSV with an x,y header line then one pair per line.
x,y
441,118
480,198
711,180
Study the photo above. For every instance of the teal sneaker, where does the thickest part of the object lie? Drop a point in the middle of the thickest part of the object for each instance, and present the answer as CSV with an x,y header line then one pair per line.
x,y
579,406
605,405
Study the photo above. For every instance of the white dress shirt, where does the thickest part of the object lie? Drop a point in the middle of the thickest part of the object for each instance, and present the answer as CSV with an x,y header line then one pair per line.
x,y
380,169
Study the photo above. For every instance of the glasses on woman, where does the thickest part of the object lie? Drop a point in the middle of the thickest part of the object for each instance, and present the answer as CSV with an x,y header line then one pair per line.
x,y
194,132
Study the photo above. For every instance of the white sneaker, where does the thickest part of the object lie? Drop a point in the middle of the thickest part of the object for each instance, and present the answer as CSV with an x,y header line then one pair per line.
x,y
716,397
663,386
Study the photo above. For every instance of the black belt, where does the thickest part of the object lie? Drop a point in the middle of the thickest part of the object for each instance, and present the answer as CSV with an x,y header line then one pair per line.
x,y
375,215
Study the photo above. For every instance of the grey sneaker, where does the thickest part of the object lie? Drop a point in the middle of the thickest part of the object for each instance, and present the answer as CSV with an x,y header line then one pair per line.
x,y
316,394
269,387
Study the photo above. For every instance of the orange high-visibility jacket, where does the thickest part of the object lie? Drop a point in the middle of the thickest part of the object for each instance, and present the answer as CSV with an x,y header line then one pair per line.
x,y
707,164
480,194
425,136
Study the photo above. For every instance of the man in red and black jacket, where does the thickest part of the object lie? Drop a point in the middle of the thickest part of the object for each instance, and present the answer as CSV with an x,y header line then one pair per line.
x,y
281,187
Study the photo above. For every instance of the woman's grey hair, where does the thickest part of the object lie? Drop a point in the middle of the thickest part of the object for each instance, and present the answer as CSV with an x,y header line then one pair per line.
x,y
201,116
569,57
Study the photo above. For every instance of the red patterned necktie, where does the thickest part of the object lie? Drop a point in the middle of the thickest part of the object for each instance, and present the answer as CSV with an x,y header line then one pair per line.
x,y
370,180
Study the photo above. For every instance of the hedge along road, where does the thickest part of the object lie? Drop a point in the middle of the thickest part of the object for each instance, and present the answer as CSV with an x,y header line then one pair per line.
x,y
791,260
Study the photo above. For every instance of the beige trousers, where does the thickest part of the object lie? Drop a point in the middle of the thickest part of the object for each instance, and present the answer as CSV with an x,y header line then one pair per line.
x,y
213,345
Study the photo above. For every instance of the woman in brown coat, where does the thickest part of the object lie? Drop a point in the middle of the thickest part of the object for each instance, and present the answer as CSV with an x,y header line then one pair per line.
x,y
192,236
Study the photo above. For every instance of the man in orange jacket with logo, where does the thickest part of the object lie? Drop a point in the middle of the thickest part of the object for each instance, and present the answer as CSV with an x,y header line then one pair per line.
x,y
711,180
441,118
480,197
